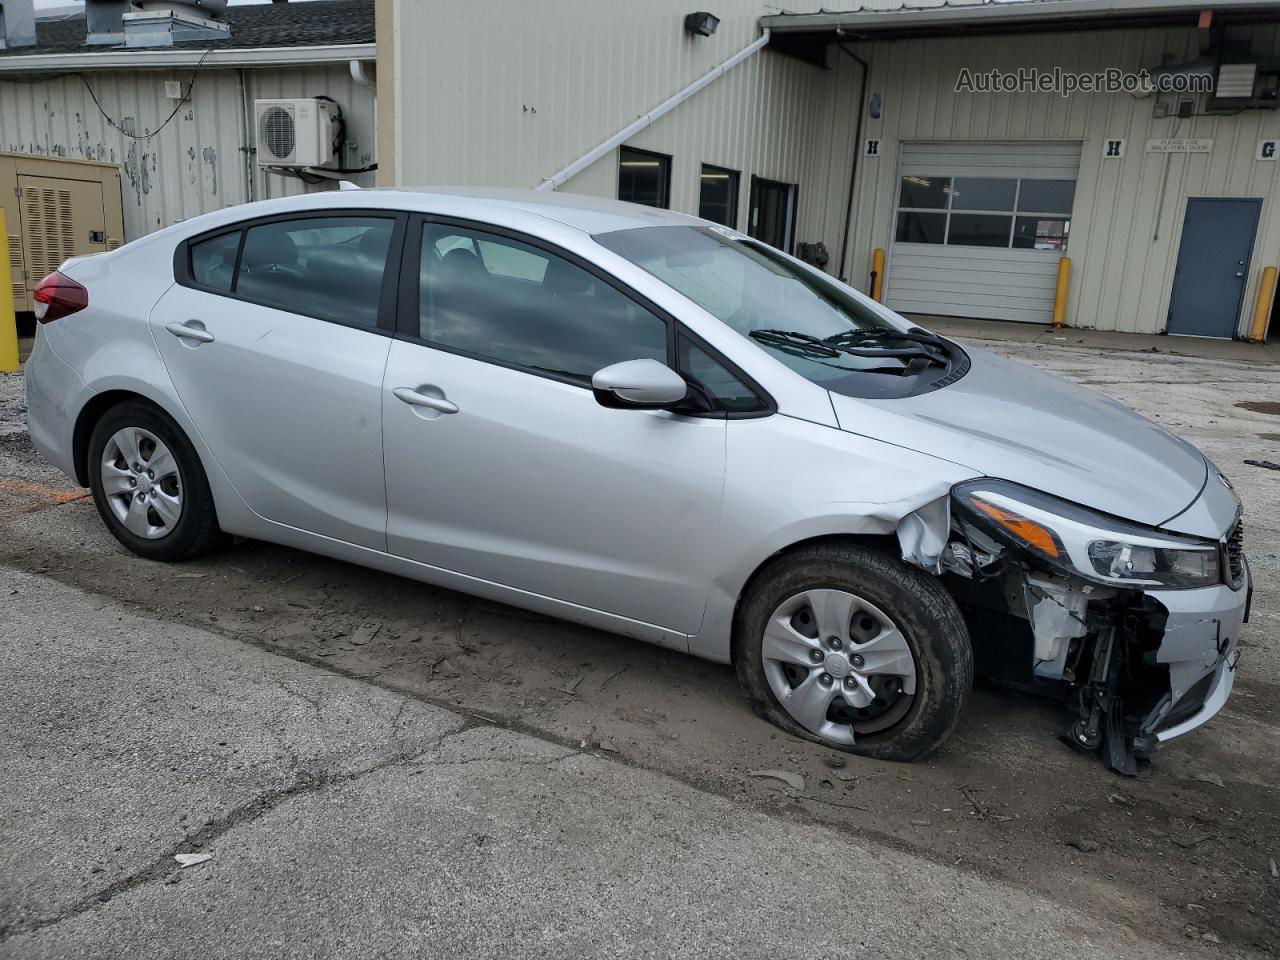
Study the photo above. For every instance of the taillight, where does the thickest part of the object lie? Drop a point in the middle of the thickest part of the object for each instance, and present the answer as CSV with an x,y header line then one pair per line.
x,y
58,296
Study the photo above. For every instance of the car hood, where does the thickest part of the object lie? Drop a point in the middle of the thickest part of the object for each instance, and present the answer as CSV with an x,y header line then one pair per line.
x,y
1012,421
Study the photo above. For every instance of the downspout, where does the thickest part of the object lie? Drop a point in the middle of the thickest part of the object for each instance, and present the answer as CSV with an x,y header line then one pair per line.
x,y
246,147
661,110
360,77
853,167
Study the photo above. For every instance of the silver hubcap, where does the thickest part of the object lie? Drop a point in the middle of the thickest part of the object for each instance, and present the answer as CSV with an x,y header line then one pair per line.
x,y
838,665
141,482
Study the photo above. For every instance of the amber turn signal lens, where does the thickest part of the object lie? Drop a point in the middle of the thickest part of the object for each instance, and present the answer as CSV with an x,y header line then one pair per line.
x,y
1029,532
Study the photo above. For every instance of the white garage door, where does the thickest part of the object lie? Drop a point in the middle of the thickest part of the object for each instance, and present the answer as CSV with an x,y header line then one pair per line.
x,y
980,227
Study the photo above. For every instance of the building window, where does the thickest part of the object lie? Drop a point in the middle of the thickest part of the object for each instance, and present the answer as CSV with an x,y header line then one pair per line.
x,y
1022,214
772,213
644,177
718,195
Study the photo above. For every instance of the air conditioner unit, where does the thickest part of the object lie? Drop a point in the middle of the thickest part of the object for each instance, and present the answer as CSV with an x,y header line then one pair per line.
x,y
297,133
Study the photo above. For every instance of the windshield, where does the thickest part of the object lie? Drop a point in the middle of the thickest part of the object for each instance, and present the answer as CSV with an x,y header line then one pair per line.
x,y
803,319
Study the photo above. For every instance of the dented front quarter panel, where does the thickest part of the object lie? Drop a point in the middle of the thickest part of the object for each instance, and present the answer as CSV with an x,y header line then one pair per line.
x,y
788,480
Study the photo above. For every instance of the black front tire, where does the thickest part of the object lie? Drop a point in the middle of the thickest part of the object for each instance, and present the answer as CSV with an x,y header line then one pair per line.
x,y
921,608
196,531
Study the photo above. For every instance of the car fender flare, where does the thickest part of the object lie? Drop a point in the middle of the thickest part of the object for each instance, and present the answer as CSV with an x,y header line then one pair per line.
x,y
843,519
103,392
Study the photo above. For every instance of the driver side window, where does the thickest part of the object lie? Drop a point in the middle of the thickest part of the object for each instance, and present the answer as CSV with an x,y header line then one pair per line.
x,y
496,298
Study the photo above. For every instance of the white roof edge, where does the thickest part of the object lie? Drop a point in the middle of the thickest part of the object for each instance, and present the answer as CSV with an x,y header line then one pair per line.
x,y
1028,11
135,59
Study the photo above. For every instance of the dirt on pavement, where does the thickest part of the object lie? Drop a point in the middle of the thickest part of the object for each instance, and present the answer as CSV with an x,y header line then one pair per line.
x,y
1184,855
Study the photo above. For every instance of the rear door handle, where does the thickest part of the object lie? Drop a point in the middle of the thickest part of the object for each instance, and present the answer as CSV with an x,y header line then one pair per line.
x,y
186,331
415,399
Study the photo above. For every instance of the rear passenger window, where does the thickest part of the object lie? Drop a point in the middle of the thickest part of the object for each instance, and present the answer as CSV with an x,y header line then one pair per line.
x,y
325,267
503,300
213,261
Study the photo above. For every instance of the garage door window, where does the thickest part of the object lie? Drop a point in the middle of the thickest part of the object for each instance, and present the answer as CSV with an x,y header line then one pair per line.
x,y
1027,214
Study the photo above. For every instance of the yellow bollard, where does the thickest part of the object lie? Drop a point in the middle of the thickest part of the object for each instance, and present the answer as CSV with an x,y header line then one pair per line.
x,y
8,320
877,274
1262,309
1060,294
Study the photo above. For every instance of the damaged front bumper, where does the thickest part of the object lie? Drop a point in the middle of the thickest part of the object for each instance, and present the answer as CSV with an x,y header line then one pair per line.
x,y
1142,663
1191,634
1200,647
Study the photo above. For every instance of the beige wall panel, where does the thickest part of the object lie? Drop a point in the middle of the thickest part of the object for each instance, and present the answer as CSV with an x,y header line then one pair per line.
x,y
496,93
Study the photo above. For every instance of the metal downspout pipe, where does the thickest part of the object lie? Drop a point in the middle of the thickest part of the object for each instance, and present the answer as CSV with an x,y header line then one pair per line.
x,y
629,131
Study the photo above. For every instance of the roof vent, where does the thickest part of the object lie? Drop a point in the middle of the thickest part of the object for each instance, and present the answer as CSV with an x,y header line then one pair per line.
x,y
17,23
155,23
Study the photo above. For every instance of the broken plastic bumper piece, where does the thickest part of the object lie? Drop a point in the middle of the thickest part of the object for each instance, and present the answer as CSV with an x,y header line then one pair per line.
x,y
1200,649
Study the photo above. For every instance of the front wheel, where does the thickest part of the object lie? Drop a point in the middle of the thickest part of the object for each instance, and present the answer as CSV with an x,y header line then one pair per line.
x,y
851,647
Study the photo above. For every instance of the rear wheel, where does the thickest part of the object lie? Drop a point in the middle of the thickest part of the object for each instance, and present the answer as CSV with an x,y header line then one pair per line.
x,y
849,646
148,484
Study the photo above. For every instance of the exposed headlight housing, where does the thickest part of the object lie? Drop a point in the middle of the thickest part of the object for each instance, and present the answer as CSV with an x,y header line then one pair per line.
x,y
1088,544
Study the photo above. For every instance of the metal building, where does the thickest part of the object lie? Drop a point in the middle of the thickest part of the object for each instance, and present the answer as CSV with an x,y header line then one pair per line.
x,y
179,117
855,131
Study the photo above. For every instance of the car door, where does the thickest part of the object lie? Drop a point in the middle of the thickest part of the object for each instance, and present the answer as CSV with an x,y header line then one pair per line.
x,y
501,465
276,337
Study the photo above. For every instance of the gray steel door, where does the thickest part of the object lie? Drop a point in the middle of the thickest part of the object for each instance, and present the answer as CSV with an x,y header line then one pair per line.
x,y
1213,265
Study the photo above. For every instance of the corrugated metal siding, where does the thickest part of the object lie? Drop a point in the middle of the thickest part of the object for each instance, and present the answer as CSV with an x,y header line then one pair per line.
x,y
1127,221
506,94
195,164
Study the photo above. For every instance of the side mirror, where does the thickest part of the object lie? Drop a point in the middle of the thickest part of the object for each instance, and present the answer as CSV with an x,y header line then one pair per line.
x,y
639,385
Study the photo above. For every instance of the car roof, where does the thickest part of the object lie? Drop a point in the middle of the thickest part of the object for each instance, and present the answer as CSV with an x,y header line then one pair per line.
x,y
591,215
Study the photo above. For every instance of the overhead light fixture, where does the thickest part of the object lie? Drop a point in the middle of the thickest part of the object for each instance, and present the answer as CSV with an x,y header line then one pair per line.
x,y
701,23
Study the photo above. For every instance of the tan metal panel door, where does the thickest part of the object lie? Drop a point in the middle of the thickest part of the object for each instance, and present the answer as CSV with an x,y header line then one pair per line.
x,y
60,219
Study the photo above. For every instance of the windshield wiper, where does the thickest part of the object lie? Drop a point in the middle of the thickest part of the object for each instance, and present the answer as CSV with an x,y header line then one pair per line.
x,y
865,343
803,344
793,341
915,335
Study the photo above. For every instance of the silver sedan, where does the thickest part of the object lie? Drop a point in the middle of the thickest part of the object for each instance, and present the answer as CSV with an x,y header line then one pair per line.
x,y
641,421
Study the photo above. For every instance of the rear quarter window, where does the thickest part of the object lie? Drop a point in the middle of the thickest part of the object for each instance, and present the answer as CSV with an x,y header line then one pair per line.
x,y
213,261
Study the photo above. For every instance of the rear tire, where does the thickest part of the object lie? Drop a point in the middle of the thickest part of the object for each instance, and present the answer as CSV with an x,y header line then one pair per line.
x,y
149,486
850,647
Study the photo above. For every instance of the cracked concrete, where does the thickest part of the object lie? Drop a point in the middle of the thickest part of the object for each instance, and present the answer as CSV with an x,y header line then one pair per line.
x,y
347,820
122,740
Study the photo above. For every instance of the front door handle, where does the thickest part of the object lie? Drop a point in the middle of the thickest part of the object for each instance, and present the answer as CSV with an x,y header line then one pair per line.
x,y
416,399
186,331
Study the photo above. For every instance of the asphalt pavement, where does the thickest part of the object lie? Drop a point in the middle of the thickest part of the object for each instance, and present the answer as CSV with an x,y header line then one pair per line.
x,y
343,819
